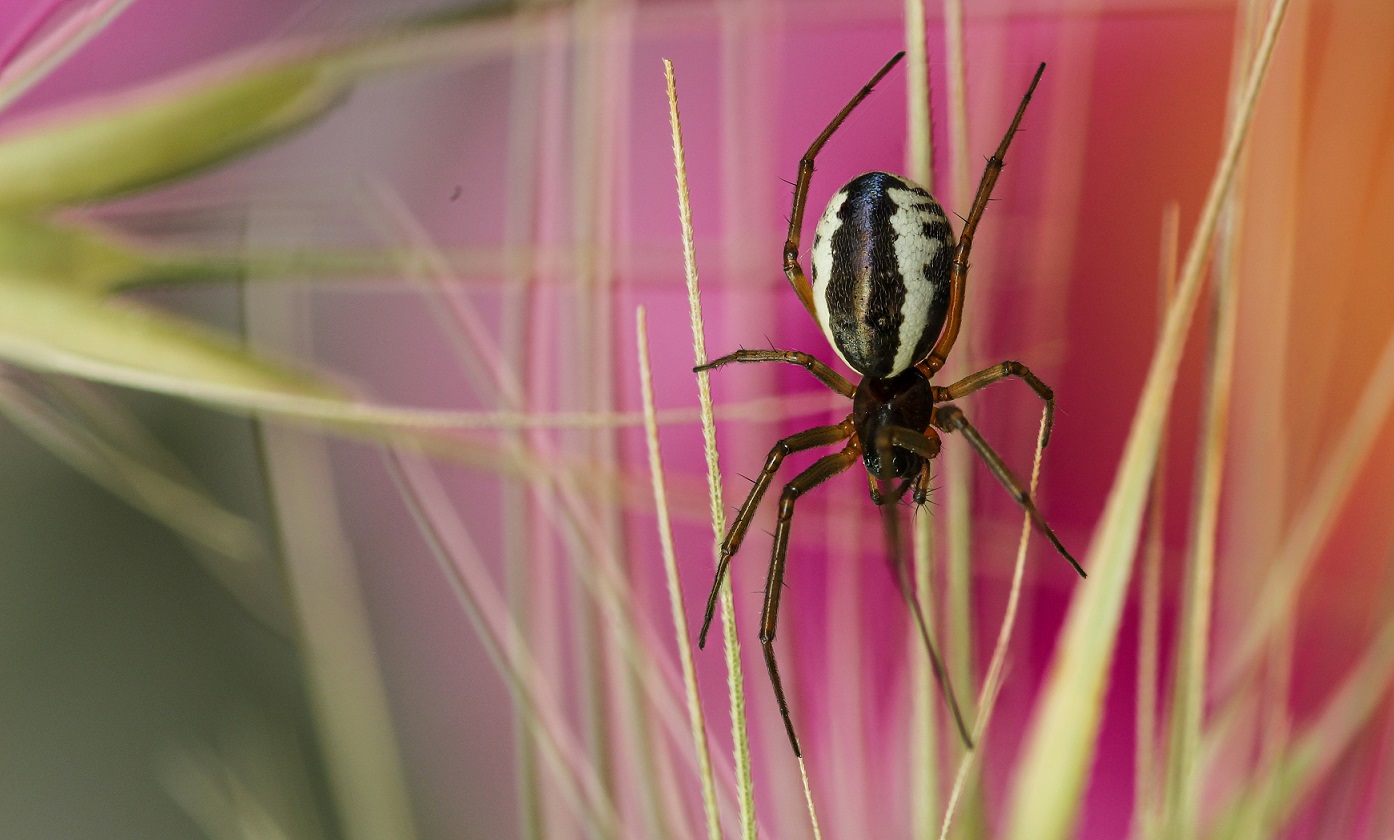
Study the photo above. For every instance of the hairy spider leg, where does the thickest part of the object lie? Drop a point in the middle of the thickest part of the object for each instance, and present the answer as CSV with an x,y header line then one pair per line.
x,y
921,494
810,439
950,419
825,374
792,269
958,274
822,470
983,378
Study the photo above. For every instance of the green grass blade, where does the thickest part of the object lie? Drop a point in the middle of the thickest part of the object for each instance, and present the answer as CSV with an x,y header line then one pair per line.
x,y
180,505
118,144
90,259
120,343
56,252
1050,782
138,139
342,667
1315,751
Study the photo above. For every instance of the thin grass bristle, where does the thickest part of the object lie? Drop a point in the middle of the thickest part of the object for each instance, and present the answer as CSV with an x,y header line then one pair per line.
x,y
670,569
735,677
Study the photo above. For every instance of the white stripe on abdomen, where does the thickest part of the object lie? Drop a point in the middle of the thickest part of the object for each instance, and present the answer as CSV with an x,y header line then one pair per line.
x,y
913,253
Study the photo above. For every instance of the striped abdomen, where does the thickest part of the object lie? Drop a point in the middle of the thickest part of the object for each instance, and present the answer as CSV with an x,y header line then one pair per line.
x,y
881,258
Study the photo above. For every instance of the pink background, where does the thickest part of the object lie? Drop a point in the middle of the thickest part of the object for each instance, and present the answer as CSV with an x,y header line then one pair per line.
x,y
1128,118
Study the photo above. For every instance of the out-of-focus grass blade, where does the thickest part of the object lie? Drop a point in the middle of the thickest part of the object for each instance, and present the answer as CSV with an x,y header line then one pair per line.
x,y
117,343
38,60
184,508
1050,782
111,341
312,264
123,143
117,144
250,780
1313,523
92,260
1316,750
40,250
98,436
343,670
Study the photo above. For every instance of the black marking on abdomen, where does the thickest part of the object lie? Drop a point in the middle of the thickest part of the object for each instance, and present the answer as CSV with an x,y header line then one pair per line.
x,y
865,292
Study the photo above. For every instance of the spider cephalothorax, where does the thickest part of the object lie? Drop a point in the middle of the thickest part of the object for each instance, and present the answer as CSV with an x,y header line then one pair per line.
x,y
887,289
905,401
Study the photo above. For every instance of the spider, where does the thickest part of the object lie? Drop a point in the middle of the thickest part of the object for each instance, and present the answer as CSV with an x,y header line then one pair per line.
x,y
888,281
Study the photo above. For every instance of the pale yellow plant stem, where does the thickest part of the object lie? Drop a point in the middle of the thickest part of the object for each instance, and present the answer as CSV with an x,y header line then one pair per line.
x,y
1193,652
735,680
1145,775
1183,783
993,684
926,702
919,164
670,571
919,152
808,797
960,184
338,653
1315,520
35,63
958,486
507,646
1060,743
594,554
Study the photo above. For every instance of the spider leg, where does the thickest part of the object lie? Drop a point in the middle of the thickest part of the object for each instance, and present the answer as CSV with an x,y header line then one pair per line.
x,y
921,495
997,373
822,470
792,269
926,446
825,374
820,436
950,418
958,274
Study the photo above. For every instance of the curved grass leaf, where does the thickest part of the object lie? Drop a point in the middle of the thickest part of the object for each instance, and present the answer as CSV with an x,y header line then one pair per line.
x,y
59,330
135,140
51,251
174,500
1271,797
114,145
91,260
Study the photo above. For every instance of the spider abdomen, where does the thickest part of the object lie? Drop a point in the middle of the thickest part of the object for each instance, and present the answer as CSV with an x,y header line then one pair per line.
x,y
881,259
